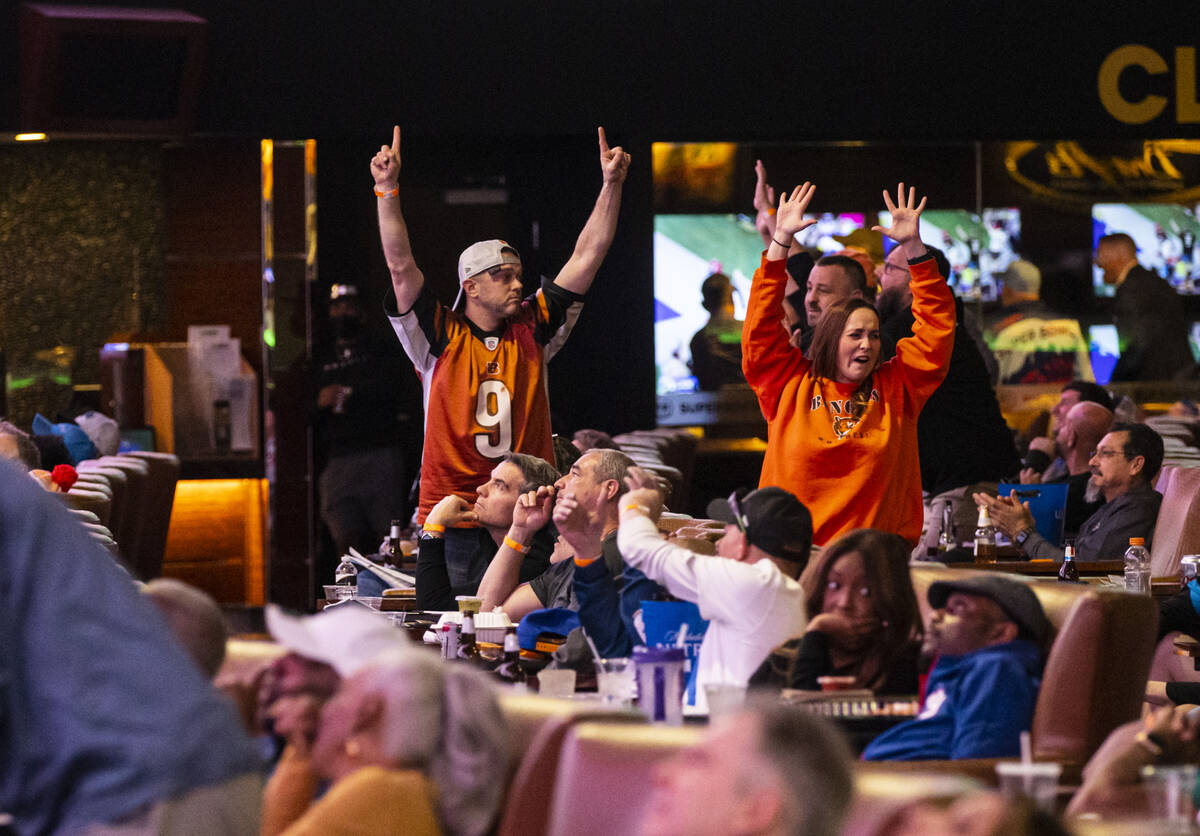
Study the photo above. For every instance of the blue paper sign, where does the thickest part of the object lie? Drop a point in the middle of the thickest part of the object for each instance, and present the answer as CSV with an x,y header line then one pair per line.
x,y
661,621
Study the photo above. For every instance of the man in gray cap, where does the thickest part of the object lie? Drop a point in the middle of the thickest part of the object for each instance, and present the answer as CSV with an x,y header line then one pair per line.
x,y
987,633
483,368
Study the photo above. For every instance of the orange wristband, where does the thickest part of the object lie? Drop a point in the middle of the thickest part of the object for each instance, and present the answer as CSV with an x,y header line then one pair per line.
x,y
515,546
388,194
434,527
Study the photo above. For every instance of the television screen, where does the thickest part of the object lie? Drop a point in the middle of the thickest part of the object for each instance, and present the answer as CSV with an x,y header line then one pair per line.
x,y
821,234
1167,236
978,249
1105,349
687,250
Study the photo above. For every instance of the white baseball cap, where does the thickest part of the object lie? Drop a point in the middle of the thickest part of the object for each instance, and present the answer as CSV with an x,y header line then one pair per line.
x,y
349,636
481,256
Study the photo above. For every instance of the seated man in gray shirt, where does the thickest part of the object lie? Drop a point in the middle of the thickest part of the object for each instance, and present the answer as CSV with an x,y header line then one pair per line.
x,y
1123,467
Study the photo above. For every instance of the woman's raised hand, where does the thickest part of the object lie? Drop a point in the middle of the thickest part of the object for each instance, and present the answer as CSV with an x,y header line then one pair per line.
x,y
789,218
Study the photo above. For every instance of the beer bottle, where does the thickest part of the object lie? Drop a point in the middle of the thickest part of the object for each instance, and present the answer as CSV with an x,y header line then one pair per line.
x,y
510,669
985,537
1069,571
393,554
468,651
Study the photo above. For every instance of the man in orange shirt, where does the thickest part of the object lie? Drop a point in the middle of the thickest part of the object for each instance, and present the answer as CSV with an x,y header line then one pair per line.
x,y
483,366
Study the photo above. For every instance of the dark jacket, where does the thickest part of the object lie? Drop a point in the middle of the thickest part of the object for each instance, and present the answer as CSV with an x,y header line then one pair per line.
x,y
1152,329
962,436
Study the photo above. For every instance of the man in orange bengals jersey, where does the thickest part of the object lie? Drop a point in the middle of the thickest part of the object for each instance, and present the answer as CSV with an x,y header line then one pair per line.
x,y
482,362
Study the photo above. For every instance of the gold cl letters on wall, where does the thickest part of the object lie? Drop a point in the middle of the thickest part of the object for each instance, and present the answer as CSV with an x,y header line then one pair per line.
x,y
1187,110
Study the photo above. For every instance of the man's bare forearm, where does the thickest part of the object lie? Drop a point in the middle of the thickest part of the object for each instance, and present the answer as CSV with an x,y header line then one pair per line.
x,y
407,278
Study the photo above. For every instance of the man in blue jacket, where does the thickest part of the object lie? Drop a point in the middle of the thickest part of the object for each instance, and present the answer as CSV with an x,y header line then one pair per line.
x,y
988,633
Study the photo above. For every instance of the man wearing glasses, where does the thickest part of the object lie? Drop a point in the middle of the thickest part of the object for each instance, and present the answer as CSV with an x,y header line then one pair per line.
x,y
483,365
1123,468
748,592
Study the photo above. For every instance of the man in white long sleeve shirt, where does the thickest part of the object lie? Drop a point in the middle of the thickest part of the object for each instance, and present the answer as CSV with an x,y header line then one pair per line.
x,y
748,592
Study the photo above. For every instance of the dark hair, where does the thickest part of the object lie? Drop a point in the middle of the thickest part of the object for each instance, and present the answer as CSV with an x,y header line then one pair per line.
x,y
885,561
536,472
1145,442
853,270
53,450
827,335
1093,392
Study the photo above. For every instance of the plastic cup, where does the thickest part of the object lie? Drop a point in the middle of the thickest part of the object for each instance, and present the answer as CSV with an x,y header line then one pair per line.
x,y
660,683
559,682
469,603
1169,791
615,681
1037,782
724,699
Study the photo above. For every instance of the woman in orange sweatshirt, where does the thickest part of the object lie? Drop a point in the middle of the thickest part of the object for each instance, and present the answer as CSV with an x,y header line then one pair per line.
x,y
841,426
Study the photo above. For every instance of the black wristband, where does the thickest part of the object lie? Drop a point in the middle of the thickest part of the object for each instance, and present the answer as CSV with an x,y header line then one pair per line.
x,y
785,246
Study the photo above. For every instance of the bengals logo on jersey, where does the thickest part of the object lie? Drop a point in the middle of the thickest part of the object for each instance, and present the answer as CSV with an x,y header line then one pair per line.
x,y
492,368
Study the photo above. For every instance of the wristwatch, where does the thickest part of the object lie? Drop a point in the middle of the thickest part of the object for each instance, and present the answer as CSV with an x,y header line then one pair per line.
x,y
429,535
1021,537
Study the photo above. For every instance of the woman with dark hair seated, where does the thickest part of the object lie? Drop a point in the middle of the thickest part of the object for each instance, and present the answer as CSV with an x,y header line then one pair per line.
x,y
409,745
863,619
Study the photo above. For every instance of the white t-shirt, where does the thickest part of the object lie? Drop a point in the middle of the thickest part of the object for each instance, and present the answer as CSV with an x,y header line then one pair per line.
x,y
751,607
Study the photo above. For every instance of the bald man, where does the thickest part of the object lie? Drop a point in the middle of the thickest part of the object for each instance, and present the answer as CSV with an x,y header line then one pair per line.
x,y
1078,434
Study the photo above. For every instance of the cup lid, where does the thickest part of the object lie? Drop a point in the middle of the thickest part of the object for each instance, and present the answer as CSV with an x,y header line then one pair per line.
x,y
652,655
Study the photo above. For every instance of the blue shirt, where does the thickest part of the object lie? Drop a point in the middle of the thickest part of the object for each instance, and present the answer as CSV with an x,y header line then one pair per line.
x,y
101,712
976,706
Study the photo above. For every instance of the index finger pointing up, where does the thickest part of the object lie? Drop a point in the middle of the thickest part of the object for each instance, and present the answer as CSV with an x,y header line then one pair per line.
x,y
603,140
395,139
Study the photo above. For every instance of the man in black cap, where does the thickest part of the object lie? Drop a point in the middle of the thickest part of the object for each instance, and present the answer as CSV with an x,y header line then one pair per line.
x,y
987,634
748,592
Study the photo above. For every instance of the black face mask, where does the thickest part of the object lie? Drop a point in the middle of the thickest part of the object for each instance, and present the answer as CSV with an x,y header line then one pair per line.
x,y
346,327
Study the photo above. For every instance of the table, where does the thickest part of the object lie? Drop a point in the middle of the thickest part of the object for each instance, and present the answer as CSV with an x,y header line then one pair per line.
x,y
1046,567
859,713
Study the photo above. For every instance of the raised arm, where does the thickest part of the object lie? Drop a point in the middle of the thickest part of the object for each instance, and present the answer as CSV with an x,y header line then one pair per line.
x,y
531,512
925,355
764,204
407,279
597,235
768,359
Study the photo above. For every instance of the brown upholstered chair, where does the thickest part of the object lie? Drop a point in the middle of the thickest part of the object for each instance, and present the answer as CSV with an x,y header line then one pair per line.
x,y
98,503
128,532
537,728
91,470
1095,674
160,499
605,775
1177,530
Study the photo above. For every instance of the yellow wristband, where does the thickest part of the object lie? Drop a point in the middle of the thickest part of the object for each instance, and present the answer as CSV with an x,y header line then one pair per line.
x,y
515,546
388,194
434,527
633,506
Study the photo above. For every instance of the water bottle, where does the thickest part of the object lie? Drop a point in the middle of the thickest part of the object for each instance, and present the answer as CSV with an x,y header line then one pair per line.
x,y
346,573
1137,567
